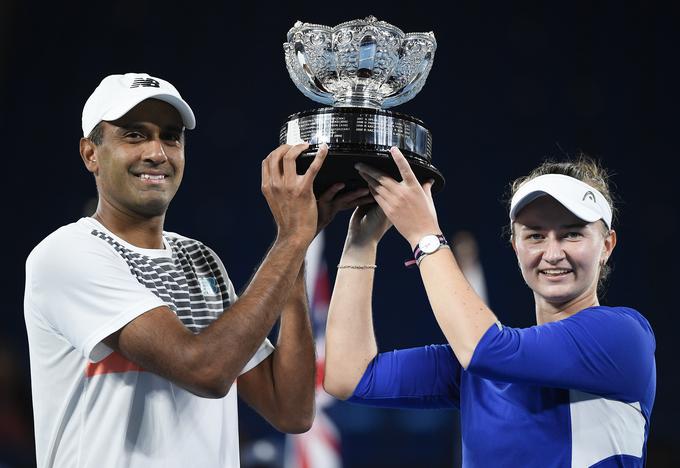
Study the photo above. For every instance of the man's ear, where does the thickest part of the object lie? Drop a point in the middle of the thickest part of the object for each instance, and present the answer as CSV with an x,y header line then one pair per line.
x,y
88,152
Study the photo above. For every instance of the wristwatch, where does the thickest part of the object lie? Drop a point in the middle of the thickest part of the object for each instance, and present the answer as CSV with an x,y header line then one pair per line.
x,y
426,246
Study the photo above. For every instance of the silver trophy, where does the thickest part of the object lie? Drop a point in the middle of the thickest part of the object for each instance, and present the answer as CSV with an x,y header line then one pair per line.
x,y
360,68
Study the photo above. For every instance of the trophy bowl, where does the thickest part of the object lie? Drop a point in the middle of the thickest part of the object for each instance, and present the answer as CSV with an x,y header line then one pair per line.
x,y
360,68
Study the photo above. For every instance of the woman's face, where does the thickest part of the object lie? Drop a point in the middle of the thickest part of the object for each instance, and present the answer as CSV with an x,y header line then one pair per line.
x,y
559,254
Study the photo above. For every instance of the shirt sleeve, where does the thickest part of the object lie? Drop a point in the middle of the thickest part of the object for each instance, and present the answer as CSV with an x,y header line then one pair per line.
x,y
85,291
600,350
425,377
265,349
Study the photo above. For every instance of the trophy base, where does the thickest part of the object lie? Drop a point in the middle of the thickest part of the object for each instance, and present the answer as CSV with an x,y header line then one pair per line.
x,y
355,134
339,167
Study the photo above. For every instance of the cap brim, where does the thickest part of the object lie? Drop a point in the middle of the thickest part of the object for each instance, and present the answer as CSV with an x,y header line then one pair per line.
x,y
565,200
122,108
584,201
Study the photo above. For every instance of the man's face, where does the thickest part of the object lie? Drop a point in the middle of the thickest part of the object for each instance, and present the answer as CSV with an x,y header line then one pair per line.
x,y
140,162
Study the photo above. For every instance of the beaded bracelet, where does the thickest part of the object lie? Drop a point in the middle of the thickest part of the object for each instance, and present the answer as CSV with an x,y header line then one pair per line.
x,y
359,267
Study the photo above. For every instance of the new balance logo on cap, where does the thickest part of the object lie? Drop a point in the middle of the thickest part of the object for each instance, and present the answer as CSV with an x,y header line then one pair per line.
x,y
145,82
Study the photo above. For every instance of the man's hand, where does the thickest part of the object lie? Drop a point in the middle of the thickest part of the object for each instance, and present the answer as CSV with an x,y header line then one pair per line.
x,y
329,205
290,196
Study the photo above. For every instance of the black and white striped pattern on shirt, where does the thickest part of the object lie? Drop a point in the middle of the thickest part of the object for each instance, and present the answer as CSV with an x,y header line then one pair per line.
x,y
191,283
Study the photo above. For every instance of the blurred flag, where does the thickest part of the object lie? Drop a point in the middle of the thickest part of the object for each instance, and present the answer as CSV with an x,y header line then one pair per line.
x,y
320,446
466,252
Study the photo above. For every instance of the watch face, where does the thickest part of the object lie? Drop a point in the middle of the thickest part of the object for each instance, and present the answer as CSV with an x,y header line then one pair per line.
x,y
429,244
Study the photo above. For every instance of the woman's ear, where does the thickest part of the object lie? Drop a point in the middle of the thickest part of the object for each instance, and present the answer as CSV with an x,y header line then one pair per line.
x,y
608,248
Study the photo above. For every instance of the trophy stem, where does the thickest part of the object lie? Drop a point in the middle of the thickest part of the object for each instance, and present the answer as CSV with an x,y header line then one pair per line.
x,y
354,100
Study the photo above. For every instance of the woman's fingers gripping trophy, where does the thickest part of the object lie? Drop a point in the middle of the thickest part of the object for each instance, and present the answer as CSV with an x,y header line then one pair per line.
x,y
407,204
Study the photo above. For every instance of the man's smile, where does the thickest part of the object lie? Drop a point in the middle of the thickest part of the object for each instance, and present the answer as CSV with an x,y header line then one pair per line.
x,y
152,177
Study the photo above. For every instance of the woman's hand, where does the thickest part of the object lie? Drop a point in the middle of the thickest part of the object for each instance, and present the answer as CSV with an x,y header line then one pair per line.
x,y
407,204
367,226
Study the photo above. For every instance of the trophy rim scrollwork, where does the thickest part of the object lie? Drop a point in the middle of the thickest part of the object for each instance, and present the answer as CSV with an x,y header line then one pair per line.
x,y
325,63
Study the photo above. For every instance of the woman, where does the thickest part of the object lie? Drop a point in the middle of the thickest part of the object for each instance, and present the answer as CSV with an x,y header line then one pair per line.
x,y
576,389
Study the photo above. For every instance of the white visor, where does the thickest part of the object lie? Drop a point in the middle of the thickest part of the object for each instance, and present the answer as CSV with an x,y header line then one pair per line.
x,y
117,94
581,199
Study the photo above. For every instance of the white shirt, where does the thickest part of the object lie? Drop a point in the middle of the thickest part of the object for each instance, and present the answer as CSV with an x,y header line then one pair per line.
x,y
92,407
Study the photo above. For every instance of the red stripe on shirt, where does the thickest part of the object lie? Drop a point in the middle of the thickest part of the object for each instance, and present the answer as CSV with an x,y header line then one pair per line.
x,y
113,363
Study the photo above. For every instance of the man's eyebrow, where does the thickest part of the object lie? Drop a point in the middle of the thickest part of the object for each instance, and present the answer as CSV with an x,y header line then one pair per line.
x,y
132,126
142,126
173,128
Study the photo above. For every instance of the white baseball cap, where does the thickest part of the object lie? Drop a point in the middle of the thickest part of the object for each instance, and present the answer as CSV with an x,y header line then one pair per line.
x,y
117,94
584,201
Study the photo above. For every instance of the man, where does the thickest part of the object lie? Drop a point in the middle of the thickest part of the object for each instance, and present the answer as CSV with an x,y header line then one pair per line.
x,y
136,335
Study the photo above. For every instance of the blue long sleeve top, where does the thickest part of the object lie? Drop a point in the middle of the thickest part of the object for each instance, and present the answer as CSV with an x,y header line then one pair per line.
x,y
574,393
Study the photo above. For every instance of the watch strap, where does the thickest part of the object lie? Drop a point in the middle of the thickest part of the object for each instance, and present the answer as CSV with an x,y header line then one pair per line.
x,y
419,254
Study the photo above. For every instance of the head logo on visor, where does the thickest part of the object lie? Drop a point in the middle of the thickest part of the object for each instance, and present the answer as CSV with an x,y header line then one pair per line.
x,y
584,201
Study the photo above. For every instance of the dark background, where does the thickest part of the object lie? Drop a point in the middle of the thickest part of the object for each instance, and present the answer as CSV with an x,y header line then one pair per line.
x,y
512,83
